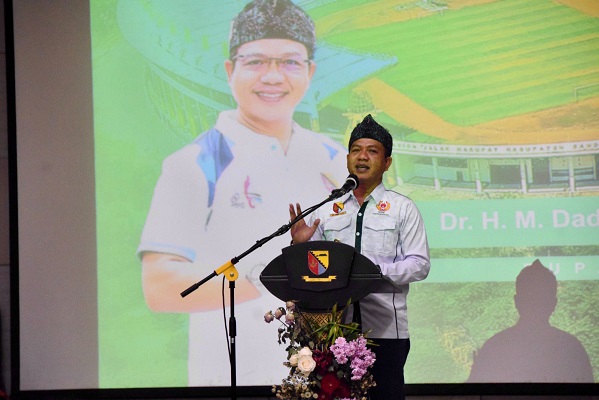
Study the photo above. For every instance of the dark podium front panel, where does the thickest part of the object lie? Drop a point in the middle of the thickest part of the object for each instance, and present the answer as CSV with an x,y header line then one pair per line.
x,y
318,275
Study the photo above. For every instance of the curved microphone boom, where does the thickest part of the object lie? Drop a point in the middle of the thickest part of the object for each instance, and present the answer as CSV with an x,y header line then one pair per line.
x,y
350,184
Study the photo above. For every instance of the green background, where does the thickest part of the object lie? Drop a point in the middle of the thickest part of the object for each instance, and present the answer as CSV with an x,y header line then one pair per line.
x,y
469,296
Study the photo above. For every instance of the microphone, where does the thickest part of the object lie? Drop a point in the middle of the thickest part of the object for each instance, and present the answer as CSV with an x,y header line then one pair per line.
x,y
350,184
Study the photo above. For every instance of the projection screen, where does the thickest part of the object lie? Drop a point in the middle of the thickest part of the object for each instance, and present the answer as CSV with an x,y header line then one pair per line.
x,y
493,109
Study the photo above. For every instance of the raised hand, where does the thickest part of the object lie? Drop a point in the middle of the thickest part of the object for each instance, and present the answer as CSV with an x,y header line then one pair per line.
x,y
300,231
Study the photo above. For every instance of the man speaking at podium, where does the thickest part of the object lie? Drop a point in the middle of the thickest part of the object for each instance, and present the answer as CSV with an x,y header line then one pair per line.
x,y
386,227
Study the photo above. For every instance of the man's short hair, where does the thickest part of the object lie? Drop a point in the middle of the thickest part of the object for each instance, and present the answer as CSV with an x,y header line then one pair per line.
x,y
272,19
370,129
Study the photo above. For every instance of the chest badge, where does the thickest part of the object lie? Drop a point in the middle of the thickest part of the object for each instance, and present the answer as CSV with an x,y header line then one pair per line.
x,y
383,206
338,207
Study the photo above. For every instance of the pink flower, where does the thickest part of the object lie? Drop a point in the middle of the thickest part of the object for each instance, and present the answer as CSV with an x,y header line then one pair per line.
x,y
356,352
341,350
269,317
290,318
279,312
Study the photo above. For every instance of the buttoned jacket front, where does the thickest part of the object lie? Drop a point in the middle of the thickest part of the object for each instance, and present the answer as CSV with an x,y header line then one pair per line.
x,y
390,231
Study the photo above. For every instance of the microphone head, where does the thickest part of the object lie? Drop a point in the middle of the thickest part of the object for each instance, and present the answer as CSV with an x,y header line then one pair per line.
x,y
354,181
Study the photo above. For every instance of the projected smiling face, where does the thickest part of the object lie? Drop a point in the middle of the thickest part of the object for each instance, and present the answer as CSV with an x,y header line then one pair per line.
x,y
268,78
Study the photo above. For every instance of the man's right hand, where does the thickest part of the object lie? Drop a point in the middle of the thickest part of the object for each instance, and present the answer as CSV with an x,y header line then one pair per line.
x,y
300,232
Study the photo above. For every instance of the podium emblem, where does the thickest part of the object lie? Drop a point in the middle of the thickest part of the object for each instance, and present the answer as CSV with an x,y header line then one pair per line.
x,y
340,274
318,261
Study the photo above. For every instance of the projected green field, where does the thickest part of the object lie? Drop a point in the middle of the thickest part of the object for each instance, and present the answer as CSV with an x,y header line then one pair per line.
x,y
487,62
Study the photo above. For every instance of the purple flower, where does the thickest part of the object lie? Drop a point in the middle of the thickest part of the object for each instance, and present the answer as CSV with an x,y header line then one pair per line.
x,y
356,352
341,350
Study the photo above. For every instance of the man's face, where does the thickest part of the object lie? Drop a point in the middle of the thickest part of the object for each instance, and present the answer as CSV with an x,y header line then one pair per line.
x,y
268,78
367,160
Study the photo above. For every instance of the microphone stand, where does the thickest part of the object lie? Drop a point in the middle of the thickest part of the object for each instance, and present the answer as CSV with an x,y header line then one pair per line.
x,y
232,274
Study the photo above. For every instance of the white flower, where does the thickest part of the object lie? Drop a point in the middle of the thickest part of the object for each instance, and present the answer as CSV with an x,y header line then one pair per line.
x,y
306,364
305,351
293,359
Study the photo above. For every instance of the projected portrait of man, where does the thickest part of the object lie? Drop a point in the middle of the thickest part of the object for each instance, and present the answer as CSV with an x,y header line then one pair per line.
x,y
533,350
225,190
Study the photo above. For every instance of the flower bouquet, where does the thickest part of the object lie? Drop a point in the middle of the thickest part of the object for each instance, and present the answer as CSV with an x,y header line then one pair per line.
x,y
328,360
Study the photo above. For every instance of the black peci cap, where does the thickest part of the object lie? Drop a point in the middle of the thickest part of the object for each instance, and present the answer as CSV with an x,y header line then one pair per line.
x,y
370,129
272,19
